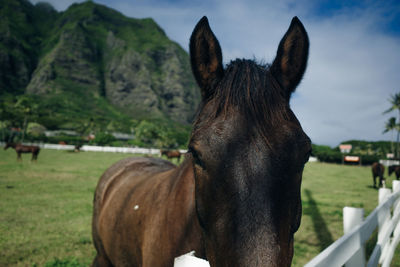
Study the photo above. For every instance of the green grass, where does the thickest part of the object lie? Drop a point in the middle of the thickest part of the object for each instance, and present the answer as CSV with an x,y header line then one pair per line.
x,y
326,189
46,207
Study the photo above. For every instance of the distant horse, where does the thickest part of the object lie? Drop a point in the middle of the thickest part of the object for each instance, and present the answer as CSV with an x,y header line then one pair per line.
x,y
171,154
377,171
235,200
24,149
395,169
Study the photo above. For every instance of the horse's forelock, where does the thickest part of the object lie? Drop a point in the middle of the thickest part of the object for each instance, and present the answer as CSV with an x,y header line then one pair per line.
x,y
249,88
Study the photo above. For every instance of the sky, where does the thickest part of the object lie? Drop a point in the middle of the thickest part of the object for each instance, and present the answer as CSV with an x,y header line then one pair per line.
x,y
354,62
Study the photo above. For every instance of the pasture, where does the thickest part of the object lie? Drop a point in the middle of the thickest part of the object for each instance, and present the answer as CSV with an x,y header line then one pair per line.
x,y
46,207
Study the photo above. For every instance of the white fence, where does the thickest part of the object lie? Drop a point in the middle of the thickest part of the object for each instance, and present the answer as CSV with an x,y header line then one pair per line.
x,y
389,162
350,248
133,150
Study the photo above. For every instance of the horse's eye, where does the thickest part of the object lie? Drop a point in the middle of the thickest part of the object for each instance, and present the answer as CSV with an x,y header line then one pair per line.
x,y
196,158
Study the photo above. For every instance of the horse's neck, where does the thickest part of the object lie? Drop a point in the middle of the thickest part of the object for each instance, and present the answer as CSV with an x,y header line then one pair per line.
x,y
13,145
185,176
184,199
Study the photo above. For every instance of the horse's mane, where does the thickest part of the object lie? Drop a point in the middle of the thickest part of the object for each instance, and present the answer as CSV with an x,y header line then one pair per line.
x,y
250,88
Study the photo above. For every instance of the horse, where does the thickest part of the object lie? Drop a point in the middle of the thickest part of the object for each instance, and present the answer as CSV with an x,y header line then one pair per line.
x,y
171,154
235,199
377,171
395,169
19,148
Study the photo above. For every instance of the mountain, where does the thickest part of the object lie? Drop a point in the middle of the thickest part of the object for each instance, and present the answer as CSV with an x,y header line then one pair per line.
x,y
91,63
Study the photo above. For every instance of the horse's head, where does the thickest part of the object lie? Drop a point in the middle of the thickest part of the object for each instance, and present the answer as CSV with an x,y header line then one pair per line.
x,y
248,151
7,146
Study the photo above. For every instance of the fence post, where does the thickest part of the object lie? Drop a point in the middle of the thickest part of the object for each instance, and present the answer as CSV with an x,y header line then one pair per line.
x,y
384,193
352,217
394,240
396,188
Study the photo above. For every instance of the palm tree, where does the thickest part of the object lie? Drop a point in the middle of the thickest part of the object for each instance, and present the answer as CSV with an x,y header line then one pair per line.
x,y
389,127
395,102
28,108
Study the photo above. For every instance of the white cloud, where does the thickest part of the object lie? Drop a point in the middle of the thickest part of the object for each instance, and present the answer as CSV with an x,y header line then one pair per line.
x,y
351,75
353,67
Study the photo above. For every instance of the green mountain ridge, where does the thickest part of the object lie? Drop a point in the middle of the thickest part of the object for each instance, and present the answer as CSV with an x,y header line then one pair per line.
x,y
92,64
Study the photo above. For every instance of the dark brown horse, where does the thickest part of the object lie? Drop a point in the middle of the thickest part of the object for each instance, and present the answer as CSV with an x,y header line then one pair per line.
x,y
24,149
235,200
171,154
395,169
377,171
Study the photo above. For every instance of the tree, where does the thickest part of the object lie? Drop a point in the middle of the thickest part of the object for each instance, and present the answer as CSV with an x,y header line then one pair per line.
x,y
390,126
103,138
395,102
28,107
147,133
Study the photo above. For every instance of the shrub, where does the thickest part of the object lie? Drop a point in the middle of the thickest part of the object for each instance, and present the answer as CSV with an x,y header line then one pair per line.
x,y
327,154
333,155
102,139
369,159
162,134
118,143
70,140
35,129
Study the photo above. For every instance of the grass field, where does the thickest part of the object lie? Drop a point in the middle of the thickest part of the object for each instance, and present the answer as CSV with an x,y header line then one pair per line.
x,y
46,207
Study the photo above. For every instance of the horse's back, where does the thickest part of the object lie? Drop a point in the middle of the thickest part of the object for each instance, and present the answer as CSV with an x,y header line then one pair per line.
x,y
131,169
133,201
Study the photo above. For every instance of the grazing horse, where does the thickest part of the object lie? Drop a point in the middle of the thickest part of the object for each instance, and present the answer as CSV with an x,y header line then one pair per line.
x,y
235,199
395,169
171,154
377,171
24,149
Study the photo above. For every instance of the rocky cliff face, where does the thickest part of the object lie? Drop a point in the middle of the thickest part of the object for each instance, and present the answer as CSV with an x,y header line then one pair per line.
x,y
155,82
19,34
93,52
72,59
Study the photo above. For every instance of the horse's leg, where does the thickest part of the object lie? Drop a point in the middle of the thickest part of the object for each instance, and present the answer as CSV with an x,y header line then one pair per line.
x,y
19,156
374,180
383,181
101,261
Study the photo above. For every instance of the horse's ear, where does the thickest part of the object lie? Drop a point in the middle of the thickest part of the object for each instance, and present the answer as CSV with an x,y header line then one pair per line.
x,y
205,57
291,59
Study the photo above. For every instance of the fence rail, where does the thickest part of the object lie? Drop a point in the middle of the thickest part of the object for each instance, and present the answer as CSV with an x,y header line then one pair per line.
x,y
133,150
349,249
